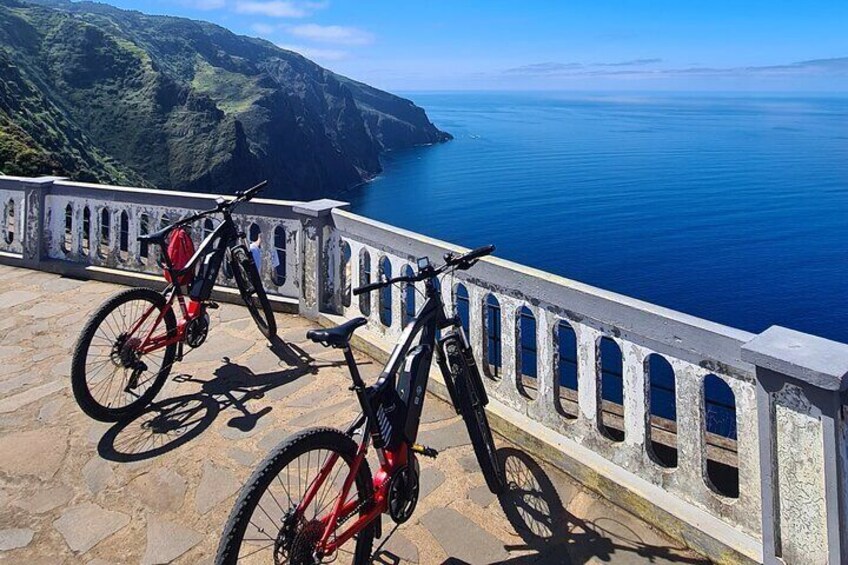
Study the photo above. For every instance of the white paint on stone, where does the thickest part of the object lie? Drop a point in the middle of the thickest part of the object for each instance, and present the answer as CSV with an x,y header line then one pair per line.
x,y
800,474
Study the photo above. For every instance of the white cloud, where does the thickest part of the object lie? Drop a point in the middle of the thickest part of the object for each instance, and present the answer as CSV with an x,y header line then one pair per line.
x,y
278,8
317,54
341,35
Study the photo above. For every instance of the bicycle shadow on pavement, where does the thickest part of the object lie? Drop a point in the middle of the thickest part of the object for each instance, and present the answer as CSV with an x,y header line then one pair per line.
x,y
171,423
535,511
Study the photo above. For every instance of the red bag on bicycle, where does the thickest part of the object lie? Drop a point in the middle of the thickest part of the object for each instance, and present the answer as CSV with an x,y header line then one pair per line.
x,y
180,252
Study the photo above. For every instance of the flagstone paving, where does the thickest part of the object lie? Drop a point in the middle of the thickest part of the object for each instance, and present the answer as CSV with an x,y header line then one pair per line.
x,y
158,489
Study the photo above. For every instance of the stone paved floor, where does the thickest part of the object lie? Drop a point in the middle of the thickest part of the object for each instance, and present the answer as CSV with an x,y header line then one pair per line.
x,y
158,489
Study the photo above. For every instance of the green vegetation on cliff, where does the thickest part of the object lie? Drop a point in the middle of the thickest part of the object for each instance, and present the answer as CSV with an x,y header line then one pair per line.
x,y
101,94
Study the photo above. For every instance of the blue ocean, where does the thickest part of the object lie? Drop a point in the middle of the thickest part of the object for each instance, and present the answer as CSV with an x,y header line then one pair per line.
x,y
731,207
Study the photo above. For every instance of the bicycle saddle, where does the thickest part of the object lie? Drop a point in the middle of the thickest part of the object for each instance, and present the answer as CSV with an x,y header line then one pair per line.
x,y
157,236
338,336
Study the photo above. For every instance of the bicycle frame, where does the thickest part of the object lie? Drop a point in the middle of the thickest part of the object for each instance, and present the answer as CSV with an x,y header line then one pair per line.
x,y
212,251
420,331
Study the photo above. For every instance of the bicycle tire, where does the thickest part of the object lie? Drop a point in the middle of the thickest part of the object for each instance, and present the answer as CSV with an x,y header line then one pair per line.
x,y
79,373
250,286
287,452
473,411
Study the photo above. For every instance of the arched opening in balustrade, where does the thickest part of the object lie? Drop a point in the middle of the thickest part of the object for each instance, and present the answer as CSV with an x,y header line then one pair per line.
x,y
10,222
386,293
463,307
492,336
124,237
86,231
612,389
143,229
254,244
526,360
164,222
565,341
365,278
278,259
408,296
662,413
720,437
346,274
105,233
68,236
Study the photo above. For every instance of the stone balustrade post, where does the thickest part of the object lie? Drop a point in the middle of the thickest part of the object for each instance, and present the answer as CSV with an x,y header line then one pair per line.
x,y
320,265
801,381
34,219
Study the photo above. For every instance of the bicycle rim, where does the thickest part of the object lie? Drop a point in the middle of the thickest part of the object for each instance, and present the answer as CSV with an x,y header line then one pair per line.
x,y
117,376
277,530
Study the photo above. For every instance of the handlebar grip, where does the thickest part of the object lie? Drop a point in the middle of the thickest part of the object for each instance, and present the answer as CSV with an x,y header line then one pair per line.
x,y
368,288
251,192
465,261
479,252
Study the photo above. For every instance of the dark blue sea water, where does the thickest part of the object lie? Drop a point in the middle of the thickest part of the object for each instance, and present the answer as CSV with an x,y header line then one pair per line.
x,y
733,208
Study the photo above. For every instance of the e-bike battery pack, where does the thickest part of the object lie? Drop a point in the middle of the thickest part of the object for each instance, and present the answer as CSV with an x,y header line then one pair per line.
x,y
399,397
411,387
201,289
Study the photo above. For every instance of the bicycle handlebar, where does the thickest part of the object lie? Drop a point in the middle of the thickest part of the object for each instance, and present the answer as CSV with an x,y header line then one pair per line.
x,y
461,262
470,257
248,194
382,284
241,196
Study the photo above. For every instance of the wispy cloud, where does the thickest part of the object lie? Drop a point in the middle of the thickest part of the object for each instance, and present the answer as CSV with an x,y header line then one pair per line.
x,y
341,35
316,53
631,63
812,68
278,8
544,69
551,68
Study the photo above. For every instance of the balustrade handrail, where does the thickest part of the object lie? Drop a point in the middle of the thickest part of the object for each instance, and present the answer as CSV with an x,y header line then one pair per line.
x,y
709,344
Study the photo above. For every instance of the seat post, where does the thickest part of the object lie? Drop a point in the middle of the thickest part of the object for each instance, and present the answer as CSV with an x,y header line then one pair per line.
x,y
354,370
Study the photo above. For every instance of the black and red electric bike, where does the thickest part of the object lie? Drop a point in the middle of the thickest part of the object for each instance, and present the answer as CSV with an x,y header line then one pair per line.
x,y
314,498
127,348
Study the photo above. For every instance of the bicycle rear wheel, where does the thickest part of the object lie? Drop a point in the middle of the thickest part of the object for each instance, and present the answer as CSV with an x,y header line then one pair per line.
x,y
252,292
265,525
472,408
110,378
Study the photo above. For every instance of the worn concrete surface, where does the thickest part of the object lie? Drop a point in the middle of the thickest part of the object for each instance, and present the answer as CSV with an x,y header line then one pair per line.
x,y
158,489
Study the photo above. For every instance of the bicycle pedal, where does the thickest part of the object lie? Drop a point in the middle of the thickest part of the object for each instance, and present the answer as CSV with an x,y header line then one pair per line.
x,y
425,451
212,305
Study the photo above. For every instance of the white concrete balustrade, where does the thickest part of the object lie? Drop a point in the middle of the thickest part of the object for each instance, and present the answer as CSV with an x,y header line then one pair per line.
x,y
747,467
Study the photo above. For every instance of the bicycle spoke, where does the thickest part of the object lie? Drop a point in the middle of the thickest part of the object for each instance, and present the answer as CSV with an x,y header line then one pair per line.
x,y
109,365
295,480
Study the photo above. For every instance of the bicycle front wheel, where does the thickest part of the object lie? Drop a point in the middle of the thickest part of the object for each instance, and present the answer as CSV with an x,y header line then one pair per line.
x,y
252,292
267,524
473,411
111,378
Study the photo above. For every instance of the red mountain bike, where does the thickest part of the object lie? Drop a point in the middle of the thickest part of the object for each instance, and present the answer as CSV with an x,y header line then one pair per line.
x,y
314,499
126,349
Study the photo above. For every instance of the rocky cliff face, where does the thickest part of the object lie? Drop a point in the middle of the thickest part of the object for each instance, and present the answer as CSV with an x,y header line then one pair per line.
x,y
97,93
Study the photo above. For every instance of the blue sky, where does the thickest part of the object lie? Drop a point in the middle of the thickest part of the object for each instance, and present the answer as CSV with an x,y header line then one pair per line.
x,y
528,44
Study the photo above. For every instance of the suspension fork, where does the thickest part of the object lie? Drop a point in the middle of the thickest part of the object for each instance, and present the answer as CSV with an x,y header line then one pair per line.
x,y
475,381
